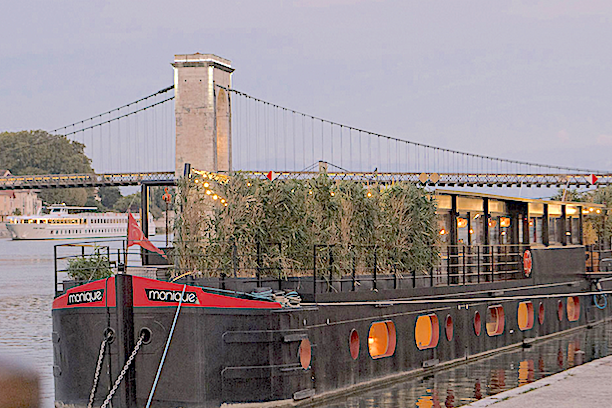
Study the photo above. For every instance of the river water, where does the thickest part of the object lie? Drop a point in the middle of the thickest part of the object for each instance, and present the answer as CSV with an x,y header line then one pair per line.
x,y
26,293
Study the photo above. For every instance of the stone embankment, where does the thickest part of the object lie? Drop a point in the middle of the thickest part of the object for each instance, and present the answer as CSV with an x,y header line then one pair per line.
x,y
588,385
3,231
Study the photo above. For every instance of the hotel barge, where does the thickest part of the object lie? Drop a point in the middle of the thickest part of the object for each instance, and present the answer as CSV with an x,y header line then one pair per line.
x,y
512,271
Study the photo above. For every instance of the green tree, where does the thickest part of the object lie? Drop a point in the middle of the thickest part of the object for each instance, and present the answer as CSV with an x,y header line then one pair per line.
x,y
39,152
109,196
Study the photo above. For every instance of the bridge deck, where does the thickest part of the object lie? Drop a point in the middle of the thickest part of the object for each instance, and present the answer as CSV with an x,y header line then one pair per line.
x,y
82,180
442,179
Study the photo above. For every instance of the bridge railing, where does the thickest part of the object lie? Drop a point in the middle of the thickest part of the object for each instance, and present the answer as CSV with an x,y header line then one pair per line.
x,y
81,180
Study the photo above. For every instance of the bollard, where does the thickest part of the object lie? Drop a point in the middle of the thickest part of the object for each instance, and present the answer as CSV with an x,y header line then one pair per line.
x,y
125,337
19,385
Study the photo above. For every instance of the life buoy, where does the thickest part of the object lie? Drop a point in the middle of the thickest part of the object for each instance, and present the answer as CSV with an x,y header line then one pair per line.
x,y
527,263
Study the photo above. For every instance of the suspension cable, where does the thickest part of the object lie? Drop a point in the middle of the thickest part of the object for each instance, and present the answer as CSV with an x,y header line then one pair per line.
x,y
114,110
425,146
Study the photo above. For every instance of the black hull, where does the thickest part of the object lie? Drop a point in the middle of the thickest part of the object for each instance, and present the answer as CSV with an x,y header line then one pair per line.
x,y
231,355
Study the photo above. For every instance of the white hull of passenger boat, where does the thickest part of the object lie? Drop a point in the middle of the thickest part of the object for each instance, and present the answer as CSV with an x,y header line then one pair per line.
x,y
61,224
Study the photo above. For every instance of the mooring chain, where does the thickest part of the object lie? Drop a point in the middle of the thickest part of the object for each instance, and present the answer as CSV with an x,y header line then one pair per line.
x,y
122,374
97,373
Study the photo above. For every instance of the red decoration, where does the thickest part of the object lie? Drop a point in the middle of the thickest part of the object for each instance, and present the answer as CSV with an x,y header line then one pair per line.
x,y
137,237
593,178
271,176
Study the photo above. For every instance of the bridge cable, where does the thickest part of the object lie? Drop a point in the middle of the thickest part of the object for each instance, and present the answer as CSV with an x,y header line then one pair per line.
x,y
116,109
451,152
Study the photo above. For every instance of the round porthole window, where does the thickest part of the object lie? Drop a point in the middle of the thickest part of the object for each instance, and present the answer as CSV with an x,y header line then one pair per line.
x,y
305,353
354,344
449,328
477,324
541,313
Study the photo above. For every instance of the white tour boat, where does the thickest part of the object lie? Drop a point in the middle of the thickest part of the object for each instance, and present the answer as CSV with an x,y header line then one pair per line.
x,y
63,222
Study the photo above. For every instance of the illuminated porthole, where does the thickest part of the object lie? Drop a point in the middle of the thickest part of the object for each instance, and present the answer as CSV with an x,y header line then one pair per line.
x,y
573,308
381,339
495,320
305,353
449,328
354,344
525,316
560,310
427,331
477,324
541,313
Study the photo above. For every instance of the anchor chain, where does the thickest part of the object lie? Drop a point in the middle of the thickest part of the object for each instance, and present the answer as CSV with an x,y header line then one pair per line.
x,y
123,371
97,372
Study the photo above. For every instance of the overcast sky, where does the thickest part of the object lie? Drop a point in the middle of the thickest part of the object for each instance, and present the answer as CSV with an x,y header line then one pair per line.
x,y
528,80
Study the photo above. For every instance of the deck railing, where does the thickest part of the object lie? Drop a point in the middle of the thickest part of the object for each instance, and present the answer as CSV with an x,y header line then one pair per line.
x,y
367,270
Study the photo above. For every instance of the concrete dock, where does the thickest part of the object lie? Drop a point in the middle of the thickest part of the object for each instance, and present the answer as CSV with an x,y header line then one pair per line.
x,y
587,385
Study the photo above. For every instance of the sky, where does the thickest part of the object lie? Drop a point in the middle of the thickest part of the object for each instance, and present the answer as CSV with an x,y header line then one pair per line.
x,y
525,80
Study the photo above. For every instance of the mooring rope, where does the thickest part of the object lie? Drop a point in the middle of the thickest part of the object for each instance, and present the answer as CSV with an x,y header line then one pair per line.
x,y
161,363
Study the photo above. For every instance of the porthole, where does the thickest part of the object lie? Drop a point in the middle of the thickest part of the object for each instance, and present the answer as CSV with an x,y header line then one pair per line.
x,y
427,331
525,316
573,308
305,353
541,313
560,310
495,320
354,344
381,339
449,328
145,333
477,324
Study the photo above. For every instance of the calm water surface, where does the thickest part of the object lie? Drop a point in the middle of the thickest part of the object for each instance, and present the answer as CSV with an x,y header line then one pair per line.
x,y
26,293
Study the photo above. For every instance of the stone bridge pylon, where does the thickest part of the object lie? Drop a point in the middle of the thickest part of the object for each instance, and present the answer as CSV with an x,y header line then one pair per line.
x,y
202,110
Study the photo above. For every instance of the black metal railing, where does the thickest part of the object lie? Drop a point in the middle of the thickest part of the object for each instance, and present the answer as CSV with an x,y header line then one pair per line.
x,y
326,270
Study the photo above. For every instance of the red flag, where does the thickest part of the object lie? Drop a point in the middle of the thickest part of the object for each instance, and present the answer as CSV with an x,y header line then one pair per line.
x,y
271,176
137,237
593,178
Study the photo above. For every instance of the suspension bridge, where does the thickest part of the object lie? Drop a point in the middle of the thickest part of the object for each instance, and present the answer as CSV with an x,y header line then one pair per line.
x,y
202,120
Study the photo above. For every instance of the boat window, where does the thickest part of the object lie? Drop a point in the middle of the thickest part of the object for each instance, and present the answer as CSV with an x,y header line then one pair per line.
x,y
560,310
495,320
427,331
541,313
354,344
381,339
305,353
477,324
449,328
573,308
525,316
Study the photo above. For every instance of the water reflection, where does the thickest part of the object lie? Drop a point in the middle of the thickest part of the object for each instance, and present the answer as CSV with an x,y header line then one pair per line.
x,y
471,382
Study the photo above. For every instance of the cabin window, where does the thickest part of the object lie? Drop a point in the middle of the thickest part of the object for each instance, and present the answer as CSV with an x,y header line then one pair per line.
x,y
381,339
560,310
449,328
525,316
495,320
477,324
555,224
573,308
305,353
541,313
354,344
427,331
